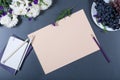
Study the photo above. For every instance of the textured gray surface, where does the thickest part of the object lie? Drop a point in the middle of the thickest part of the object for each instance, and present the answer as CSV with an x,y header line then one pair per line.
x,y
92,67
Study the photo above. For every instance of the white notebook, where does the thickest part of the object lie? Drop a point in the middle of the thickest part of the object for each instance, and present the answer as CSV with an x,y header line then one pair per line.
x,y
15,60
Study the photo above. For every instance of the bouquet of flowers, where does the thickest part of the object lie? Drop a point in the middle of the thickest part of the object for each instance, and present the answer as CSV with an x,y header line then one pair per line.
x,y
11,9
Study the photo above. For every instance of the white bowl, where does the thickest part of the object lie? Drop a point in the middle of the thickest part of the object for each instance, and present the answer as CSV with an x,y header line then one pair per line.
x,y
94,12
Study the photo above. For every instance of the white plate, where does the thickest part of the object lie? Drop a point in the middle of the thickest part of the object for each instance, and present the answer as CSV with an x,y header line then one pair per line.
x,y
93,12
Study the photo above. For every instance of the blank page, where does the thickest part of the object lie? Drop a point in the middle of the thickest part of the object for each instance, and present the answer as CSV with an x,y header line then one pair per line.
x,y
57,46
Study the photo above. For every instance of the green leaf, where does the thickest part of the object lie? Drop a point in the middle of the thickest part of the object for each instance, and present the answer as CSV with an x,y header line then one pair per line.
x,y
0,2
26,16
30,0
69,11
18,3
10,15
41,1
9,1
1,11
64,13
104,28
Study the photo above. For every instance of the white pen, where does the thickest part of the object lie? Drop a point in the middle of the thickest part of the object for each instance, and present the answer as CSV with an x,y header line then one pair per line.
x,y
25,52
16,50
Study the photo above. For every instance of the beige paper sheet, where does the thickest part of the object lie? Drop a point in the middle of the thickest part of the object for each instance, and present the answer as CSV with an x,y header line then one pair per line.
x,y
57,46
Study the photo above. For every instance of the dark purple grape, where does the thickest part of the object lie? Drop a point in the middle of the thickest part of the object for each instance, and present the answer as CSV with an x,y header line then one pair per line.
x,y
107,14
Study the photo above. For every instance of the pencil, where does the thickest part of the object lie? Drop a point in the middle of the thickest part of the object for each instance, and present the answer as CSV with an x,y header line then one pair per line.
x,y
104,54
25,52
16,50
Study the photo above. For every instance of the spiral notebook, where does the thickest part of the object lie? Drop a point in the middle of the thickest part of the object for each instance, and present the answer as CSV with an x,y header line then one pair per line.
x,y
70,40
14,63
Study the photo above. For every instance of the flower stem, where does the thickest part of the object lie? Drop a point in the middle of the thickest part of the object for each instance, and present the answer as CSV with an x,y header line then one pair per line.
x,y
41,1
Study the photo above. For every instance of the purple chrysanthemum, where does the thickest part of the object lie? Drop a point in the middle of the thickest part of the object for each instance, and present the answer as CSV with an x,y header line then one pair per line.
x,y
30,4
1,8
10,11
30,18
35,1
28,10
4,13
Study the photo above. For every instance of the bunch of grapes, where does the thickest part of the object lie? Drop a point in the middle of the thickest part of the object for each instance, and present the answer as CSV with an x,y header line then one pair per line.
x,y
116,5
107,14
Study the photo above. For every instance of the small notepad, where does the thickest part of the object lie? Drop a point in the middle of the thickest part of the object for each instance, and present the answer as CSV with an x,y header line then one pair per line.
x,y
15,60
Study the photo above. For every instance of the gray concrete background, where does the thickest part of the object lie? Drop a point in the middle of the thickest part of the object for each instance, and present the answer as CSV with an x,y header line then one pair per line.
x,y
92,67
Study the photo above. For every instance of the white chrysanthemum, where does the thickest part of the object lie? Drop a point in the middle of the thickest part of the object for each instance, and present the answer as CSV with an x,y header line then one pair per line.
x,y
19,7
5,20
9,21
33,11
13,22
47,4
